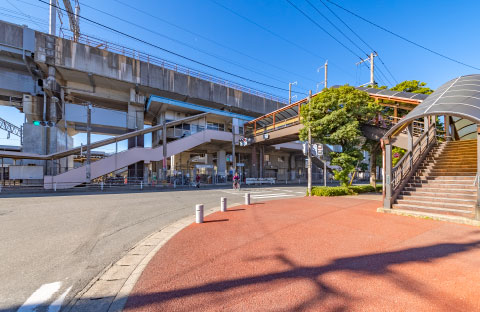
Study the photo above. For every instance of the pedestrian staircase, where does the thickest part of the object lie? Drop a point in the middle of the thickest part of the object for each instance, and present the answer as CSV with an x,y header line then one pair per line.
x,y
444,182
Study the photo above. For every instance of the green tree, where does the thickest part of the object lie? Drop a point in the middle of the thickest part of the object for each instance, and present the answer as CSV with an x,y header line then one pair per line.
x,y
335,116
415,86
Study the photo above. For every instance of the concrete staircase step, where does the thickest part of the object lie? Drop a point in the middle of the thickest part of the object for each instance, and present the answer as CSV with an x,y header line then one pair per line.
x,y
443,185
440,195
436,190
416,197
469,213
440,204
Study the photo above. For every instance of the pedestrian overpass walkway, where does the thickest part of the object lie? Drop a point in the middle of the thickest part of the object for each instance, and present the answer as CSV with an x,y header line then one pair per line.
x,y
284,124
438,177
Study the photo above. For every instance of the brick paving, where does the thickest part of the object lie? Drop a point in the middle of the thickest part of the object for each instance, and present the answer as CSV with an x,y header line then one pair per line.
x,y
314,254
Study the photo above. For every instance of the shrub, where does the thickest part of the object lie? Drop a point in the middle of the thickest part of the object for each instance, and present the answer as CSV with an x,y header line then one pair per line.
x,y
342,190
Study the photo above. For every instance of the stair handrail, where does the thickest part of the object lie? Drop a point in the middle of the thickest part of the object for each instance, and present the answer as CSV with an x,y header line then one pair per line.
x,y
405,168
121,137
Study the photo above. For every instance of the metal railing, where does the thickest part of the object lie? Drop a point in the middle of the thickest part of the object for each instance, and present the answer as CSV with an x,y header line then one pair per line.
x,y
404,168
141,56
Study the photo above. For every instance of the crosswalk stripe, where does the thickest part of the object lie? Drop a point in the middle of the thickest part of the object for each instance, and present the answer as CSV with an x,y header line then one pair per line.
x,y
57,304
40,296
271,196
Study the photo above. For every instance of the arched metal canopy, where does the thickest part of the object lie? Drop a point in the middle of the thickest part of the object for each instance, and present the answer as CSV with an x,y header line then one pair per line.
x,y
459,97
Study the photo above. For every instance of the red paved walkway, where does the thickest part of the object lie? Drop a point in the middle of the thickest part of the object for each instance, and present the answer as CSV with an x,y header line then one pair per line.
x,y
315,254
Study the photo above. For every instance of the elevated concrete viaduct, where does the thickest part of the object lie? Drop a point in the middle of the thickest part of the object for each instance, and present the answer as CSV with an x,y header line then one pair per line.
x,y
50,79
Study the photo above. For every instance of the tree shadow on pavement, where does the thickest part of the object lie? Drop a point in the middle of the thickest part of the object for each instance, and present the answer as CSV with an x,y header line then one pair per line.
x,y
377,264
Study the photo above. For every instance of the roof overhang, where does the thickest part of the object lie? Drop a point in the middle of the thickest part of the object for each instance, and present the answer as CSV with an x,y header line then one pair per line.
x,y
459,97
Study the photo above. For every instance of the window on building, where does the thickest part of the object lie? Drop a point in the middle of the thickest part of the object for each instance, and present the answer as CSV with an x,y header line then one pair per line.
x,y
266,157
216,126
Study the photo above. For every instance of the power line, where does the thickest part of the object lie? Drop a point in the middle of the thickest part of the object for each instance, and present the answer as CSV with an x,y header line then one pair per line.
x,y
358,36
304,49
21,13
187,45
403,38
349,39
171,52
212,41
335,26
318,25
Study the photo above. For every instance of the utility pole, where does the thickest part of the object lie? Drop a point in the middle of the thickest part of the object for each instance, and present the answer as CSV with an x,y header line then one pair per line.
x,y
89,129
325,81
290,84
372,67
234,159
309,148
326,74
52,18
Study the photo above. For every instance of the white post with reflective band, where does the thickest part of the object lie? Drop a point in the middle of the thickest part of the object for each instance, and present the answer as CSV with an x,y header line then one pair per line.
x,y
223,204
247,198
199,213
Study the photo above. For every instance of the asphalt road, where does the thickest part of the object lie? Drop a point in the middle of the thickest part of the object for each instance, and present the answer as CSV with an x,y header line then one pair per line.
x,y
51,247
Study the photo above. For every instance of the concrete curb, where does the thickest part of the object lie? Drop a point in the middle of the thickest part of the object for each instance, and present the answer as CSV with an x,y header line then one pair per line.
x,y
433,216
109,291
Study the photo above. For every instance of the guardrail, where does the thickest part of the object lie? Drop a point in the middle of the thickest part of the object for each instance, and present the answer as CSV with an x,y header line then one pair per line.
x,y
406,166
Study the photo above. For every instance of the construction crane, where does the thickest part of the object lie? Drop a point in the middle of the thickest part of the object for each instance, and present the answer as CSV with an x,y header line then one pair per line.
x,y
73,19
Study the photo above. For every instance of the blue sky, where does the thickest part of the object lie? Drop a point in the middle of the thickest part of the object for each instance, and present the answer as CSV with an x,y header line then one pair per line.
x,y
248,50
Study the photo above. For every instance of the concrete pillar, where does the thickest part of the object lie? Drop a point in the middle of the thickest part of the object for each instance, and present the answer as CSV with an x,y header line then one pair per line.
x,y
164,147
221,163
426,122
135,122
410,137
254,173
262,161
387,202
292,167
477,208
448,134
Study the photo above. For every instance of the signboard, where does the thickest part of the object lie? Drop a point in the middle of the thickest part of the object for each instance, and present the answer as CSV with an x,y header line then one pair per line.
x,y
26,172
320,150
396,155
240,165
204,166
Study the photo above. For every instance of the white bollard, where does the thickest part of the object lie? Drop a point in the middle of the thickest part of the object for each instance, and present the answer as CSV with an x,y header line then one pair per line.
x,y
101,185
141,185
0,188
55,186
247,198
223,204
199,213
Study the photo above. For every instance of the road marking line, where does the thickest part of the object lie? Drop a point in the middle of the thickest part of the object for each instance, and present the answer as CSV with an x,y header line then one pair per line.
x,y
300,192
271,196
40,296
57,304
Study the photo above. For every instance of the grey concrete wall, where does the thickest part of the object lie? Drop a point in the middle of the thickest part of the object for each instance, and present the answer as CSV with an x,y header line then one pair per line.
x,y
166,82
11,35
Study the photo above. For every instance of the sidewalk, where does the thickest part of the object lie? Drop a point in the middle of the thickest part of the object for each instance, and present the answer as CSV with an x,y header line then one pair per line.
x,y
313,254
